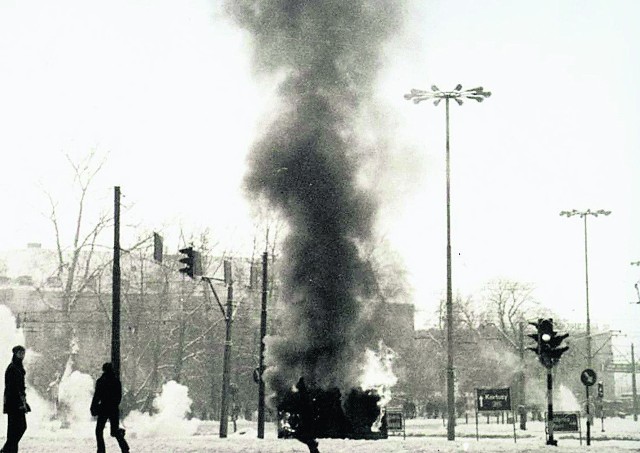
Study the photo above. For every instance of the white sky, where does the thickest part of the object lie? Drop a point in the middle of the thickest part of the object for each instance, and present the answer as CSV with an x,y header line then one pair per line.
x,y
166,89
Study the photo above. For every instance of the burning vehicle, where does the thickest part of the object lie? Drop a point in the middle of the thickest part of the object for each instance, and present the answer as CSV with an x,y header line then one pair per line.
x,y
325,414
308,166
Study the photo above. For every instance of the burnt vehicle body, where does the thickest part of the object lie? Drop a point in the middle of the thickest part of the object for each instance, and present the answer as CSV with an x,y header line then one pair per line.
x,y
331,417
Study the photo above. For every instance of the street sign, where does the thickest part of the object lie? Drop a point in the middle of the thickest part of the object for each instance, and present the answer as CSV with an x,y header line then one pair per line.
x,y
395,422
621,367
493,399
588,377
566,422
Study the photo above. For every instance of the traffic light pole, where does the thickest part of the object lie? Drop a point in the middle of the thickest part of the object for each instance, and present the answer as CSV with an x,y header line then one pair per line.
x,y
550,440
549,350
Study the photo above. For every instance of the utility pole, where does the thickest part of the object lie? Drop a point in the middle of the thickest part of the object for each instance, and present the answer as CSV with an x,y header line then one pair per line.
x,y
634,389
115,304
226,366
263,334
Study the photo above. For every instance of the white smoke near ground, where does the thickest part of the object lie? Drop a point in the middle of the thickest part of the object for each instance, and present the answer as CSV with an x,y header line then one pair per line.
x,y
173,406
10,336
39,418
565,400
74,394
75,391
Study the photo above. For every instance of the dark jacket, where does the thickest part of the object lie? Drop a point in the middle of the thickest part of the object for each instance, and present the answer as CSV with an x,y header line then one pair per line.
x,y
107,396
15,398
305,410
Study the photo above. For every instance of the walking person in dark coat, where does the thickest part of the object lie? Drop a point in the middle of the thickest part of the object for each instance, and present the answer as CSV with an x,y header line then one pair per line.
x,y
15,401
304,429
105,405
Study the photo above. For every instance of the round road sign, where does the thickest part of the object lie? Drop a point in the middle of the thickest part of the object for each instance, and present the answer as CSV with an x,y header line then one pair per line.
x,y
588,377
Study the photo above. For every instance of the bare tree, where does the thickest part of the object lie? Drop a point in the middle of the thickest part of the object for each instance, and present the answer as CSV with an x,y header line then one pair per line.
x,y
77,265
75,260
508,304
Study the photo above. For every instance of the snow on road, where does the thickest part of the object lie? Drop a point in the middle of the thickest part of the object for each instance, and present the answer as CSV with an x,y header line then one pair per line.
x,y
202,444
423,436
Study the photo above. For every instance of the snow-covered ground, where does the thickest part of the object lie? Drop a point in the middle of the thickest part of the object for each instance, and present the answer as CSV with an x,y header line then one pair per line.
x,y
171,431
621,435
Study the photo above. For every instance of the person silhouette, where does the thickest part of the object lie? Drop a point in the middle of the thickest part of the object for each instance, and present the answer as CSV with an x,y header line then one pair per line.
x,y
15,401
304,431
105,405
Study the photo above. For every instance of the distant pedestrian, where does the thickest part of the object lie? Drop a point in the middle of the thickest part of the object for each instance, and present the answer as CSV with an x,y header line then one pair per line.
x,y
105,406
15,401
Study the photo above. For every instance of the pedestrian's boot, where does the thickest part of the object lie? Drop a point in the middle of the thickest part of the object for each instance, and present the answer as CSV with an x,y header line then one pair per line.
x,y
313,446
122,443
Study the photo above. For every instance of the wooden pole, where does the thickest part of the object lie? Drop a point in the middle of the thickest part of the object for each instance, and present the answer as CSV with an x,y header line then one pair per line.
x,y
226,366
263,334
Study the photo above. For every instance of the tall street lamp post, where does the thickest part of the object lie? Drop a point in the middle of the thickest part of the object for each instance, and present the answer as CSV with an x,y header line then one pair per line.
x,y
458,95
584,215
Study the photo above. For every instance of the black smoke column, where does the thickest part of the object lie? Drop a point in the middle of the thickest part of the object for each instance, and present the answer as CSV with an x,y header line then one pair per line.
x,y
306,166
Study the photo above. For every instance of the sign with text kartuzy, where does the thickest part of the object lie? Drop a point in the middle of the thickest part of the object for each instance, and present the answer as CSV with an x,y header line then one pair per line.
x,y
493,399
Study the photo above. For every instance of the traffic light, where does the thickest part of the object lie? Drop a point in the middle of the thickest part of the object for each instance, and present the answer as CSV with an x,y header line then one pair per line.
x,y
600,390
547,342
552,341
536,337
191,262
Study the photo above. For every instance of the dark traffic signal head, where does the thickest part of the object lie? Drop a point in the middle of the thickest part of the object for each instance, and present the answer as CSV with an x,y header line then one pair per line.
x,y
545,326
537,337
191,262
548,342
